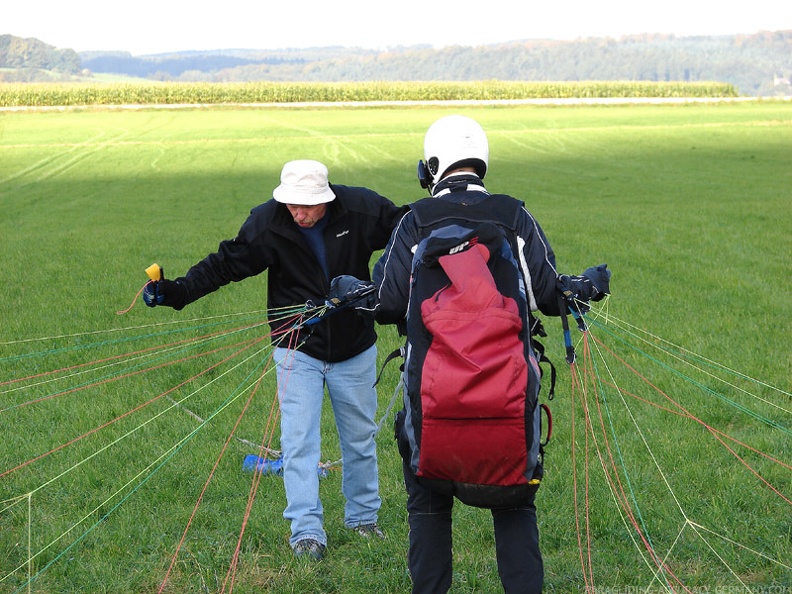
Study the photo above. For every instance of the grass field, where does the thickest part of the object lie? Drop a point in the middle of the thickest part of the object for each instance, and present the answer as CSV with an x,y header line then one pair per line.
x,y
670,466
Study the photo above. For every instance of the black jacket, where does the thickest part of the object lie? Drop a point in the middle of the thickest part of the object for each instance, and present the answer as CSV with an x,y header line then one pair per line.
x,y
359,221
536,257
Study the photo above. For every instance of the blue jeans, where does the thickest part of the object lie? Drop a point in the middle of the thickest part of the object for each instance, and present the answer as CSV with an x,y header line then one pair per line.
x,y
301,388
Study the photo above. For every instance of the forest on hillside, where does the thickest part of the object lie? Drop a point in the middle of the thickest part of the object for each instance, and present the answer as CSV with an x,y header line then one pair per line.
x,y
757,65
17,53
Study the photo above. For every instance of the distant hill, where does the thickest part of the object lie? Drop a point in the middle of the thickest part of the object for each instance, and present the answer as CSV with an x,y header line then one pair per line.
x,y
31,54
758,65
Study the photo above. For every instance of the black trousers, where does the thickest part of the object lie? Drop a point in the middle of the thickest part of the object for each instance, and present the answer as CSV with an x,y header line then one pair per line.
x,y
520,564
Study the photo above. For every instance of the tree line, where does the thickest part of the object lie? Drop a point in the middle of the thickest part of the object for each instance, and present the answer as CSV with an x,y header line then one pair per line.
x,y
31,54
758,64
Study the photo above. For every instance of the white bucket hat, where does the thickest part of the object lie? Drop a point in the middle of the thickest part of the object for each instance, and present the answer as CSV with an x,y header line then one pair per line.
x,y
303,182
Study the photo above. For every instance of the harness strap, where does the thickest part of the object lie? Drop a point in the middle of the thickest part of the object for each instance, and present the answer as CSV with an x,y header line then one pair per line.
x,y
546,410
400,352
539,348
570,349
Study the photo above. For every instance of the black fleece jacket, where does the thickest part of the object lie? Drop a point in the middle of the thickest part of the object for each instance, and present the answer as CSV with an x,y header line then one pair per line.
x,y
359,222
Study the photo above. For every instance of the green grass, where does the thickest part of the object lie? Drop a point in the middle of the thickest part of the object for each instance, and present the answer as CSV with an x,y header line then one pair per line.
x,y
689,205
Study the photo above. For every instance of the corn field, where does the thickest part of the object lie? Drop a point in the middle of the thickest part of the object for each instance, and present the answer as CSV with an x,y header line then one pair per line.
x,y
153,93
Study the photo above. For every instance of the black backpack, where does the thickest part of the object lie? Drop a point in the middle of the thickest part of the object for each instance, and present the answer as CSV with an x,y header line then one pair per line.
x,y
471,426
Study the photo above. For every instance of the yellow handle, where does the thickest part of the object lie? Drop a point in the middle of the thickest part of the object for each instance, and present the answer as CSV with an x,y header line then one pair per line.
x,y
154,272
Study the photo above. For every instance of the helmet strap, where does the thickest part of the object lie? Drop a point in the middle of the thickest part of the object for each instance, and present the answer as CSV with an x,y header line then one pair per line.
x,y
424,176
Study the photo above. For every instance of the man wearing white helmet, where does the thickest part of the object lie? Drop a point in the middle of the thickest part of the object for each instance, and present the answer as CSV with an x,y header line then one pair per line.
x,y
309,233
456,155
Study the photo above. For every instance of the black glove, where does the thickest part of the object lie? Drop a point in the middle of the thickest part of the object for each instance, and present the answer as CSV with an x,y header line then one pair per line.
x,y
348,289
600,279
573,288
165,292
592,285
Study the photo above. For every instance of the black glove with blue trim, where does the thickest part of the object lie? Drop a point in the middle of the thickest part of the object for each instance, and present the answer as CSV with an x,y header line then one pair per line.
x,y
165,292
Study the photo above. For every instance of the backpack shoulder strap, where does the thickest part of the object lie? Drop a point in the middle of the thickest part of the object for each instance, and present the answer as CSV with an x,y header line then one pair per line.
x,y
498,209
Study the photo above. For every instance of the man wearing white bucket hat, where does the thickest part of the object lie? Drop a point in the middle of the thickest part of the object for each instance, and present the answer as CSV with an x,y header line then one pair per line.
x,y
311,232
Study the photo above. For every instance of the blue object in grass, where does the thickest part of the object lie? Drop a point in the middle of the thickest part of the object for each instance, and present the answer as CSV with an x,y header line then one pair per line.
x,y
269,466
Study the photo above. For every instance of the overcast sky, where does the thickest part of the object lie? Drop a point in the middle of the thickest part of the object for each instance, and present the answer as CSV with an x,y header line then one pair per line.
x,y
155,26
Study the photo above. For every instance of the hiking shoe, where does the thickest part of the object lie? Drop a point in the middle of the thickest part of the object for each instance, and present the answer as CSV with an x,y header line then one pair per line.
x,y
309,548
369,531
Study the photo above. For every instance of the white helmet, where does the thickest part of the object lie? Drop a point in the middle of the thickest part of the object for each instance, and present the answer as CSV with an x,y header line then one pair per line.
x,y
455,141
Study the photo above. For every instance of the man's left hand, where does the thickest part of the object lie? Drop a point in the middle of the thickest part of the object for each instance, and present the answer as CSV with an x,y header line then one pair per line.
x,y
348,289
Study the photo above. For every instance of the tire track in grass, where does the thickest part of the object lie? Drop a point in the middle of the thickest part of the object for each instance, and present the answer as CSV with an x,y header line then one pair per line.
x,y
75,153
43,165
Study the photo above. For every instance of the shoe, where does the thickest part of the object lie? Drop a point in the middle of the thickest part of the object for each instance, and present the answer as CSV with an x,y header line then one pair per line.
x,y
369,531
309,548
